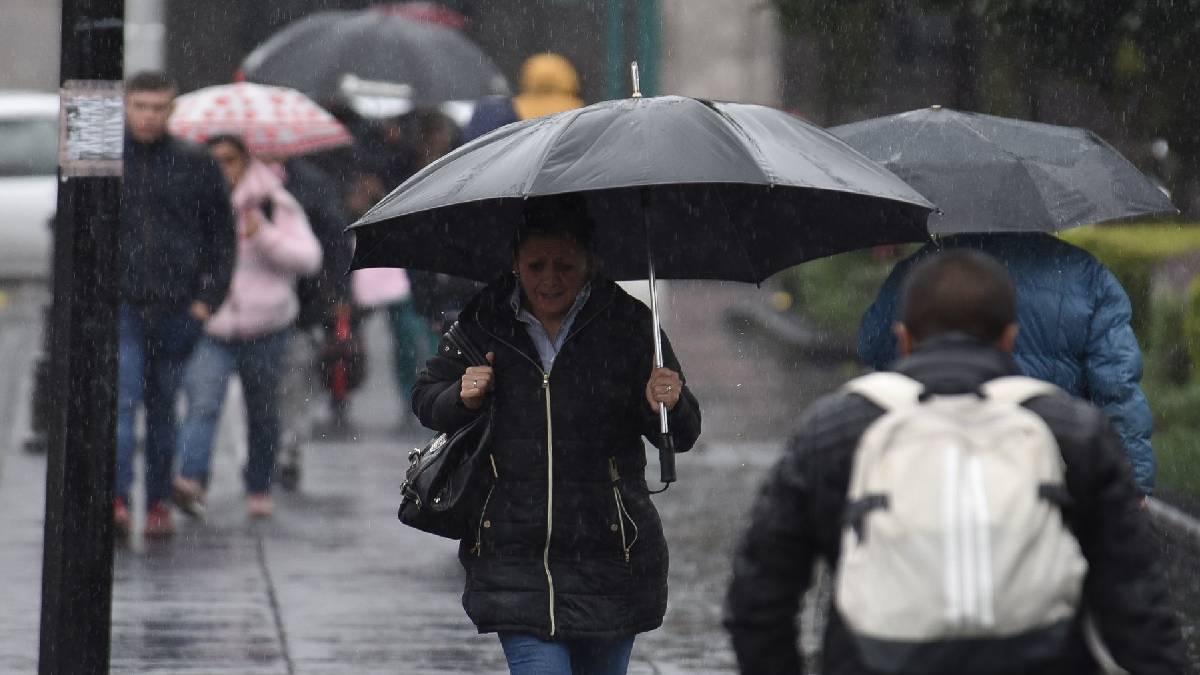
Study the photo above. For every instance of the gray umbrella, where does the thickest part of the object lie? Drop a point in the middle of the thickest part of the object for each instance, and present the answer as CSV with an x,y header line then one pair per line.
x,y
374,55
678,188
994,174
718,190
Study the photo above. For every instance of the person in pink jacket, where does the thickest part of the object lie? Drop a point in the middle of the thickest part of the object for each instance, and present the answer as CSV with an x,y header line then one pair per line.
x,y
249,333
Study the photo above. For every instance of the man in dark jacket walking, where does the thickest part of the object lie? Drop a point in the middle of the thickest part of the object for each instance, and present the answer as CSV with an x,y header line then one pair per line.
x,y
957,332
175,251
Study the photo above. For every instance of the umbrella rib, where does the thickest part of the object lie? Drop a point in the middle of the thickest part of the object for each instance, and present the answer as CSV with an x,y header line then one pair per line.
x,y
1022,163
913,137
745,140
546,153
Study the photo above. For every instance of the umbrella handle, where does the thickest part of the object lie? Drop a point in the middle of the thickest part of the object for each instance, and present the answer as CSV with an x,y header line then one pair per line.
x,y
666,454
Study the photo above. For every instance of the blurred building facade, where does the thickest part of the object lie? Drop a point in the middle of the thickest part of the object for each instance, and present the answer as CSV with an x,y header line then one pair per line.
x,y
726,49
29,40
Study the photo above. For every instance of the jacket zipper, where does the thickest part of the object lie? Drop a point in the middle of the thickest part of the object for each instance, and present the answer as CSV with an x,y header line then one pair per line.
x,y
549,498
483,522
146,199
622,514
549,458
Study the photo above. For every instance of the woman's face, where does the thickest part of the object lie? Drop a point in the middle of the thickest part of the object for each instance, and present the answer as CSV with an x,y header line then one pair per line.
x,y
231,160
552,271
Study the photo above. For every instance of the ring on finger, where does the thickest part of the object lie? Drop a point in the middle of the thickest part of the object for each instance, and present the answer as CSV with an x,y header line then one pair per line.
x,y
475,384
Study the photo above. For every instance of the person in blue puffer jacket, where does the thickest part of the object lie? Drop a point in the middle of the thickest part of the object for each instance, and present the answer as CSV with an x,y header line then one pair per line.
x,y
1074,318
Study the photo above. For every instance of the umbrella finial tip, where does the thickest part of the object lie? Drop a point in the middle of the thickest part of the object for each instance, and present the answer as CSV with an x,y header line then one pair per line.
x,y
637,85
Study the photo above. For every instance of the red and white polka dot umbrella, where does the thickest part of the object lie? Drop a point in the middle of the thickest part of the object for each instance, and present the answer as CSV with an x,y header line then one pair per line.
x,y
274,121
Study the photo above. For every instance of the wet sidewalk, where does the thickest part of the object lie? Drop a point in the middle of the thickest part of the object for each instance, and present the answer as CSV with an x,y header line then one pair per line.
x,y
333,583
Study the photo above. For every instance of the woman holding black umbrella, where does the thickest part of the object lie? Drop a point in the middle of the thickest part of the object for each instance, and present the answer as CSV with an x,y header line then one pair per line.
x,y
566,558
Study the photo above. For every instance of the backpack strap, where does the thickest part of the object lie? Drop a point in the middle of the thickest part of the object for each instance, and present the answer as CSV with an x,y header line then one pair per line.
x,y
886,389
1017,389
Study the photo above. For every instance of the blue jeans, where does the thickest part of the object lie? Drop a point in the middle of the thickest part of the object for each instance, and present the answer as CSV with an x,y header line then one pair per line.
x,y
258,362
153,345
527,655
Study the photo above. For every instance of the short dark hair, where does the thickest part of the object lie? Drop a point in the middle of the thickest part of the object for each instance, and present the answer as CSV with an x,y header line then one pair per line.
x,y
958,291
232,139
150,80
556,216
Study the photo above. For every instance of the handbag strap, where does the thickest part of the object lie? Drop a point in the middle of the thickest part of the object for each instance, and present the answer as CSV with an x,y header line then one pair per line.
x,y
463,343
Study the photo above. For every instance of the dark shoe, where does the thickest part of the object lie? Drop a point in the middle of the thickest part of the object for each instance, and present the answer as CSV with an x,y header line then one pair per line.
x,y
188,495
158,522
288,469
122,521
289,476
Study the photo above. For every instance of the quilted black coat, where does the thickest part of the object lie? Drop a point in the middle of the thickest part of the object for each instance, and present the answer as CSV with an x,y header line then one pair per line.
x,y
798,519
567,543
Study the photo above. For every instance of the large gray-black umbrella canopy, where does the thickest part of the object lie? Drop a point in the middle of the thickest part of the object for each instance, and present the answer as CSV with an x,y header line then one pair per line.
x,y
374,54
719,190
994,174
678,187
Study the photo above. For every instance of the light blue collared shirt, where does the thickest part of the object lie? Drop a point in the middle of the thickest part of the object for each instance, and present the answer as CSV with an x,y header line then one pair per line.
x,y
547,349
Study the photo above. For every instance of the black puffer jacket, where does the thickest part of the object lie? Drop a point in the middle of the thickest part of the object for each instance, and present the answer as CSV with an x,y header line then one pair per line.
x,y
568,543
797,519
177,240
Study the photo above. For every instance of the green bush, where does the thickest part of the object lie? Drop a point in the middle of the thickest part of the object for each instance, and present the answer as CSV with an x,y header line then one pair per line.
x,y
1168,326
1164,346
1191,322
834,292
1176,435
1131,252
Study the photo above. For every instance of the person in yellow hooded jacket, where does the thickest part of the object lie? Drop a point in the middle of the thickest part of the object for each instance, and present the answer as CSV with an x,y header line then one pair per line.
x,y
549,84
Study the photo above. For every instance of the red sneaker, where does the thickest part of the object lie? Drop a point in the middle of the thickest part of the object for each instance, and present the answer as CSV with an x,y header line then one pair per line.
x,y
158,522
122,521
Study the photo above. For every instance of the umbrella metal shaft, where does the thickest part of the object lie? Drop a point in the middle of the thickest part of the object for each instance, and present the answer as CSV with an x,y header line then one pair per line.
x,y
666,454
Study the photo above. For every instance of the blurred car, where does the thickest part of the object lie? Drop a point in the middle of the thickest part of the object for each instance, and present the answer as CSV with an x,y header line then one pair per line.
x,y
28,183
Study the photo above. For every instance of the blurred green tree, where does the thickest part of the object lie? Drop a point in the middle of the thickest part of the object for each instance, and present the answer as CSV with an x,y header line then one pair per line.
x,y
1165,44
845,33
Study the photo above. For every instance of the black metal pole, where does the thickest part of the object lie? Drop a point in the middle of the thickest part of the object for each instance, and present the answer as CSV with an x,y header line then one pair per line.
x,y
77,560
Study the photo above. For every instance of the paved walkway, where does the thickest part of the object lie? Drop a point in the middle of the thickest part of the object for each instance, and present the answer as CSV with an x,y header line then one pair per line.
x,y
333,583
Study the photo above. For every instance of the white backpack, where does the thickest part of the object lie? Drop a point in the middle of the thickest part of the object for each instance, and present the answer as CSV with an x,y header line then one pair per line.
x,y
955,556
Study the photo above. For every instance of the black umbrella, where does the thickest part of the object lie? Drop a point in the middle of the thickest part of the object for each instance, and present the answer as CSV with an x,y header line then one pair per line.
x,y
994,174
679,188
375,58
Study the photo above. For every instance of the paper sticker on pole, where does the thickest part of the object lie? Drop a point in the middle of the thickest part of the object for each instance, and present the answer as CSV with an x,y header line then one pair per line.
x,y
91,128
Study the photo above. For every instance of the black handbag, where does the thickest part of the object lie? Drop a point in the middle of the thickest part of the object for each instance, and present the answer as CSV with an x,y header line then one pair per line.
x,y
444,479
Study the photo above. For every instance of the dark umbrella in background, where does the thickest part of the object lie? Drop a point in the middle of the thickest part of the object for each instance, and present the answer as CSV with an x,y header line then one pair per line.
x,y
994,174
382,61
679,188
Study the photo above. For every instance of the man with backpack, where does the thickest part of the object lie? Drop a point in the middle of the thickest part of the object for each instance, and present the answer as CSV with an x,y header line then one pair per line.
x,y
976,521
